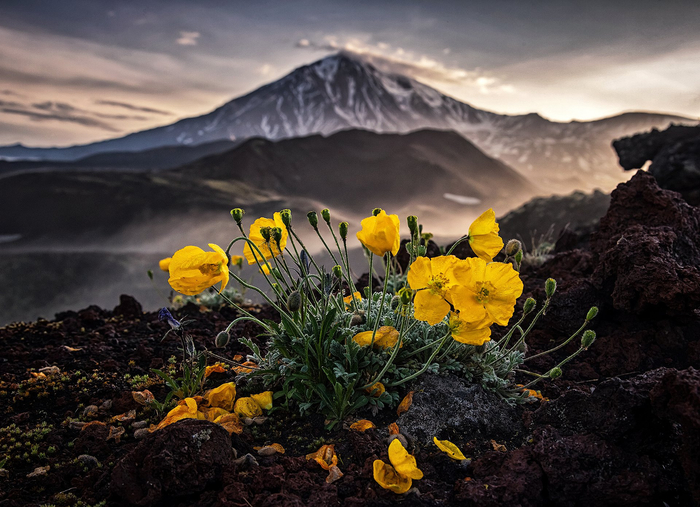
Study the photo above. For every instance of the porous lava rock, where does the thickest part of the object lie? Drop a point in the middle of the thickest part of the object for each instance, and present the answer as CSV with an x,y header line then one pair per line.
x,y
181,459
128,307
445,406
648,246
674,155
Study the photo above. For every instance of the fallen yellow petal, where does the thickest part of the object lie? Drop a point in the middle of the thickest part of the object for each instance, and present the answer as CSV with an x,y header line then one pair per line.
x,y
387,477
222,397
247,407
449,448
405,403
216,368
362,425
263,399
403,462
325,456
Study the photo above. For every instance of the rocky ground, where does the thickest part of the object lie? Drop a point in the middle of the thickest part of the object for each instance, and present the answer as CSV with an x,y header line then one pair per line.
x,y
621,427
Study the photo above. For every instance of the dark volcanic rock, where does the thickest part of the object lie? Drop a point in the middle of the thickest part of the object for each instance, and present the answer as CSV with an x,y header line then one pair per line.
x,y
649,250
446,406
674,155
180,459
128,307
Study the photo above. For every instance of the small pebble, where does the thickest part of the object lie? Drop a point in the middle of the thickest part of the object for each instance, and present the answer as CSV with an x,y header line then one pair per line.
x,y
245,462
50,370
106,405
401,438
89,461
76,425
268,450
139,424
141,433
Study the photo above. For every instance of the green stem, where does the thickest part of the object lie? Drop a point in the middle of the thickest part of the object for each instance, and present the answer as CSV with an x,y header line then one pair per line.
x,y
460,240
425,366
381,300
578,332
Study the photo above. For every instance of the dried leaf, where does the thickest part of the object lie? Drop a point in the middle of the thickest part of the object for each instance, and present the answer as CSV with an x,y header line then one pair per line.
x,y
50,370
39,472
216,368
333,474
393,429
93,423
143,397
115,433
498,447
362,425
126,417
72,349
246,367
405,403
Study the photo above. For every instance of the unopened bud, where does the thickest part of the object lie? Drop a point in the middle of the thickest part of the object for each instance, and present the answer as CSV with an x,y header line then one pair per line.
x,y
237,214
150,274
519,257
326,214
286,216
422,250
413,224
592,313
266,233
338,272
550,287
395,302
277,235
513,247
555,373
343,229
313,219
405,294
277,273
294,301
587,339
222,339
529,305
376,211
358,319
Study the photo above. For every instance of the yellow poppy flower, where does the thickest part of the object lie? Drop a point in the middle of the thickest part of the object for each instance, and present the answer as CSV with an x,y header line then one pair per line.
x,y
376,389
263,399
483,236
222,396
192,269
380,234
433,279
386,337
449,448
164,264
403,462
268,250
471,333
387,477
237,260
247,407
488,291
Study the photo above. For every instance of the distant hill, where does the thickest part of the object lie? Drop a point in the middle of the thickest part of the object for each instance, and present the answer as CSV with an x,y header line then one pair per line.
x,y
343,92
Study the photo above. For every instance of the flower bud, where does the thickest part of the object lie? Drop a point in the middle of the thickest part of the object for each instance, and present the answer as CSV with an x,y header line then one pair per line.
x,y
276,235
338,272
222,340
294,301
150,274
422,250
343,229
305,261
405,294
529,305
266,233
286,216
592,313
587,339
513,247
519,257
358,318
555,373
313,219
413,224
550,287
237,214
326,214
376,211
277,274
395,302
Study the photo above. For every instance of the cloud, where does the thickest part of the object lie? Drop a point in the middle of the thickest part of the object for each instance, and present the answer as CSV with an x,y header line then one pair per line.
x,y
80,120
188,38
132,107
420,67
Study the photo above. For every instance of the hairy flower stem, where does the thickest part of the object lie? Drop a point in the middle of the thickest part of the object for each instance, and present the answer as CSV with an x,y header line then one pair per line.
x,y
578,332
425,366
381,300
523,334
345,264
393,355
369,284
318,233
460,240
562,363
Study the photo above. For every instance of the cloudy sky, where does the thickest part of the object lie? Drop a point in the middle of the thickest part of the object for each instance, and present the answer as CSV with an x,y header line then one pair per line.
x,y
76,71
